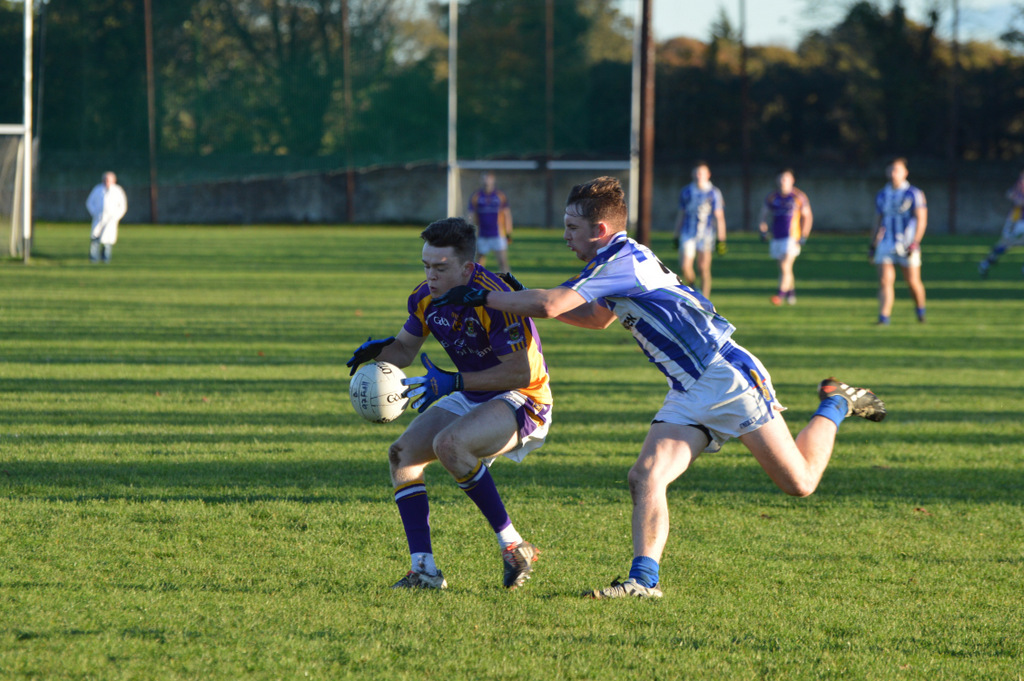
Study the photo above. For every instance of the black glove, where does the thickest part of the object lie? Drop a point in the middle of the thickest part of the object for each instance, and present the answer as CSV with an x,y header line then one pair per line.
x,y
512,282
764,236
463,295
871,252
675,242
367,351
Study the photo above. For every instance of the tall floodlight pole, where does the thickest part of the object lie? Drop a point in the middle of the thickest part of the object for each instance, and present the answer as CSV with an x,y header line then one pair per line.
x,y
643,227
951,151
634,126
151,109
549,110
744,116
26,146
346,76
453,54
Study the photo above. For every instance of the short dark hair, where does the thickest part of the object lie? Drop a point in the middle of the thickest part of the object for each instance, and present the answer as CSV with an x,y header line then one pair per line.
x,y
902,160
600,200
454,232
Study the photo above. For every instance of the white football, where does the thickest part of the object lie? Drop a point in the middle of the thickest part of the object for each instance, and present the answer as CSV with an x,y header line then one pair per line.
x,y
376,392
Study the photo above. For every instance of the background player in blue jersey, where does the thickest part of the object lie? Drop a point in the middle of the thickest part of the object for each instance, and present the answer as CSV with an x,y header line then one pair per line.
x,y
1013,228
717,390
787,213
490,212
699,221
497,403
900,222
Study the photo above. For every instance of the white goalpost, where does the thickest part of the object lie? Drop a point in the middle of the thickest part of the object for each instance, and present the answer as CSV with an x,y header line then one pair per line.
x,y
455,166
16,162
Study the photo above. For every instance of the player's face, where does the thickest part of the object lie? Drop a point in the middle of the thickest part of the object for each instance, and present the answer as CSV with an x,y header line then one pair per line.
x,y
702,174
786,182
444,269
897,174
580,236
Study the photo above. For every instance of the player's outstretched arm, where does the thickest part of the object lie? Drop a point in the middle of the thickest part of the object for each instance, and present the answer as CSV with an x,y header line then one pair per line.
x,y
398,350
539,303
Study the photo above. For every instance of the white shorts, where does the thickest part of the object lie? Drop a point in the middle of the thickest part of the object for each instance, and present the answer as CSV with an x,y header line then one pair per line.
x,y
486,244
1013,234
899,256
780,248
733,396
689,248
532,419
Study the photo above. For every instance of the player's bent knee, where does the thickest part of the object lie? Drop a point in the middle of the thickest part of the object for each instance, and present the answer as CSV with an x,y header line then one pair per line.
x,y
395,454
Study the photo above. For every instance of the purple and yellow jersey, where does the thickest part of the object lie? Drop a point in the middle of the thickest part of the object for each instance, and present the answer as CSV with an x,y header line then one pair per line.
x,y
898,210
699,207
786,212
1016,195
475,337
488,209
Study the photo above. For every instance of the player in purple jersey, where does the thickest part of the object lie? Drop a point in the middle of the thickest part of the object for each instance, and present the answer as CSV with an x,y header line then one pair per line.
x,y
1013,228
717,389
700,221
900,222
497,402
787,217
489,211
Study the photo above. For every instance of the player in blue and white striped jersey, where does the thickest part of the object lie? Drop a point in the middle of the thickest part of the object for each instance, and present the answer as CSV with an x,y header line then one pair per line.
x,y
717,389
900,222
700,223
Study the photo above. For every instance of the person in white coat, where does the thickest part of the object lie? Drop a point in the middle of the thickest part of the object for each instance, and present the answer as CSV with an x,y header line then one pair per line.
x,y
107,204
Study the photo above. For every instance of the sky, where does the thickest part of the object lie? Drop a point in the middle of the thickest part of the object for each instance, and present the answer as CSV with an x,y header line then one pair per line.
x,y
783,22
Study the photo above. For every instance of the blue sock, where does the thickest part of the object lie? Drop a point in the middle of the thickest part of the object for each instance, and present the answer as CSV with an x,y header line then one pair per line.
x,y
883,319
833,408
920,314
645,571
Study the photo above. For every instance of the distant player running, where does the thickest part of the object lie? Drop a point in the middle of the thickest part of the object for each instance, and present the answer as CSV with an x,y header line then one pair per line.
x,y
787,213
498,403
1013,229
700,222
716,389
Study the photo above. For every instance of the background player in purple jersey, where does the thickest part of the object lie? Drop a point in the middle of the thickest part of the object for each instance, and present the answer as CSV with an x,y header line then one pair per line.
x,y
498,402
490,212
717,389
699,222
900,222
788,213
1013,228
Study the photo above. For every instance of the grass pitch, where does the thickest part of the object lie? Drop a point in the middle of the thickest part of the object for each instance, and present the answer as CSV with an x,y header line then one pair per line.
x,y
186,493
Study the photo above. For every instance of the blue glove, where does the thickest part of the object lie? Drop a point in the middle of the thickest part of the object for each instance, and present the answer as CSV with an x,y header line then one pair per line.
x,y
512,282
463,295
764,236
425,390
803,240
367,351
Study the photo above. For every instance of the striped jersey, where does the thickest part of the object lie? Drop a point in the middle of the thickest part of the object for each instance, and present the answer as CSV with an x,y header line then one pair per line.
x,y
786,211
699,206
475,337
676,327
898,208
488,208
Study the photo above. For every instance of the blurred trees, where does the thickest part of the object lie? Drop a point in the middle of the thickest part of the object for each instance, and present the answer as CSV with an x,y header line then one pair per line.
x,y
243,80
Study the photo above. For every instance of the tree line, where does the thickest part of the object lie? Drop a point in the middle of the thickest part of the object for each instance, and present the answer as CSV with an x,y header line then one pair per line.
x,y
247,84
